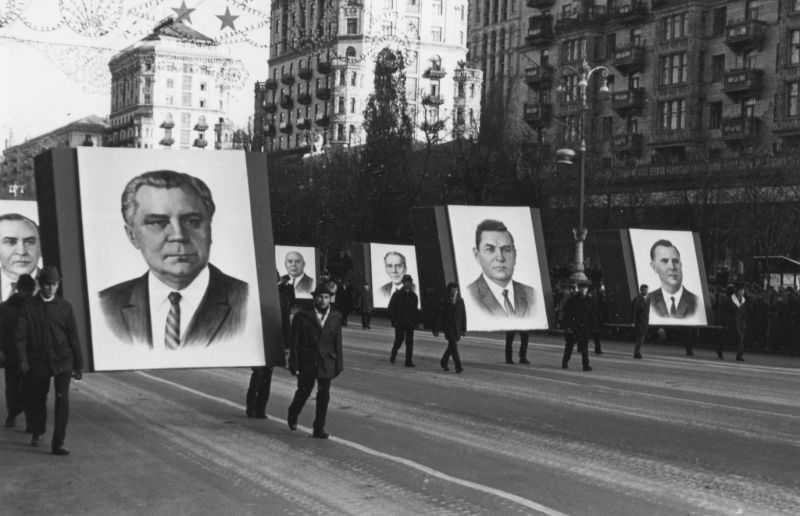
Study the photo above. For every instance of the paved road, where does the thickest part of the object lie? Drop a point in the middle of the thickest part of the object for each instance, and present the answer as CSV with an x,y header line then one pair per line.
x,y
666,435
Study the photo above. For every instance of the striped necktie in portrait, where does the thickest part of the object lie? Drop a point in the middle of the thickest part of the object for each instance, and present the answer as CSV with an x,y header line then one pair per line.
x,y
172,333
509,308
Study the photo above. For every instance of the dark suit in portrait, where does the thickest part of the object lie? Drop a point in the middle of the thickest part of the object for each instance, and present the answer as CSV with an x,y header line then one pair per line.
x,y
686,306
220,315
482,296
305,285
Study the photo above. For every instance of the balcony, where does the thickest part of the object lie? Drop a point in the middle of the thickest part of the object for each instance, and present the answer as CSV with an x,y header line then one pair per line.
x,y
630,59
324,94
201,126
540,31
323,121
304,99
287,102
167,124
305,73
740,128
590,18
434,72
538,115
287,79
628,102
631,144
665,4
270,84
285,127
539,76
541,4
432,100
634,12
674,137
167,141
788,125
324,67
303,123
743,82
269,106
200,143
746,34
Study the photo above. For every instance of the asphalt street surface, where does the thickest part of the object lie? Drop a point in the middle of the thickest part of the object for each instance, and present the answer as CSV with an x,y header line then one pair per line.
x,y
666,435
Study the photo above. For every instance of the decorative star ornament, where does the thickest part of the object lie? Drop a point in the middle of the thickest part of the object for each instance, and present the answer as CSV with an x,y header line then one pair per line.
x,y
183,12
227,19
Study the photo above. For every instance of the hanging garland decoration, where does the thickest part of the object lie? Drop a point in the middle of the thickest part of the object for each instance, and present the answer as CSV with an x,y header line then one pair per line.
x,y
12,10
23,17
92,18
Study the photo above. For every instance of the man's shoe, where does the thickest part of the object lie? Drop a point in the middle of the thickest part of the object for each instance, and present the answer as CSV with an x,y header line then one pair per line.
x,y
564,364
459,369
60,451
739,358
10,422
524,361
393,358
509,361
260,416
444,365
35,440
250,412
719,355
690,353
637,355
319,434
598,351
587,368
292,422
410,364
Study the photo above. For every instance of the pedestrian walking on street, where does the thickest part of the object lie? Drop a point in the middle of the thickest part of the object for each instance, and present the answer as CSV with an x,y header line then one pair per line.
x,y
10,312
48,347
405,316
641,317
365,305
598,304
740,315
344,303
452,320
315,357
523,347
577,325
258,392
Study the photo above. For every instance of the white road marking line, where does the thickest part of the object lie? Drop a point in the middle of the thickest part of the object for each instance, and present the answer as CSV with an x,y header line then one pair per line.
x,y
530,504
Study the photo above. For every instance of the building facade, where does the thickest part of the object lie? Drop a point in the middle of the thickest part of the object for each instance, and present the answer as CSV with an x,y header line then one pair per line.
x,y
322,55
689,80
168,90
16,176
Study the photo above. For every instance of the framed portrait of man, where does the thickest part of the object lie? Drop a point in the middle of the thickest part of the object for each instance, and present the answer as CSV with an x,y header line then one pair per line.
x,y
300,265
669,263
20,243
388,264
499,261
168,251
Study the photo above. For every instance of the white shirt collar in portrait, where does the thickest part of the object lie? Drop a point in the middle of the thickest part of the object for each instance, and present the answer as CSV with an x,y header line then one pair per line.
x,y
668,297
497,291
191,297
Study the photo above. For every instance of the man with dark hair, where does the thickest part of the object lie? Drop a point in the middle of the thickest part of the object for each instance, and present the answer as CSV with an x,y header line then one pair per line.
x,y
577,325
641,316
183,300
20,250
315,356
405,317
494,291
48,347
672,300
10,310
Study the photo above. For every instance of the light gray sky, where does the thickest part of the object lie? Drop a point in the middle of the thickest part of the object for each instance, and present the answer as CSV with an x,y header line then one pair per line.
x,y
55,54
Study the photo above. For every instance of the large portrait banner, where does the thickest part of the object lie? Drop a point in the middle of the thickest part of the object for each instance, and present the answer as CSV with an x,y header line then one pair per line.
x,y
668,262
300,264
171,274
498,265
388,264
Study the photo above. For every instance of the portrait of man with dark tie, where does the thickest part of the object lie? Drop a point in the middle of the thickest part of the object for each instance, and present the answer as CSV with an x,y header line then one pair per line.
x,y
672,300
182,301
495,290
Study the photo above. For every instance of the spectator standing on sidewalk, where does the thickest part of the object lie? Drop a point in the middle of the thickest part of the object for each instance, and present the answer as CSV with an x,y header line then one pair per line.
x,y
365,305
641,319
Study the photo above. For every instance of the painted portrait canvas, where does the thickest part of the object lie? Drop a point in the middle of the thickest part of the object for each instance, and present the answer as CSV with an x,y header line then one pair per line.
x,y
300,264
388,264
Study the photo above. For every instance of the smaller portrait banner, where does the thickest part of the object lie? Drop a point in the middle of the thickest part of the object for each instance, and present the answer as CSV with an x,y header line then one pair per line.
x,y
20,243
389,263
300,264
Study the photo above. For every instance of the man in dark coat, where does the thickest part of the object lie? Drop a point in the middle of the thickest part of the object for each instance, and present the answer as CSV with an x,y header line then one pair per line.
x,y
10,311
741,309
640,306
405,317
48,347
365,305
315,356
452,320
577,325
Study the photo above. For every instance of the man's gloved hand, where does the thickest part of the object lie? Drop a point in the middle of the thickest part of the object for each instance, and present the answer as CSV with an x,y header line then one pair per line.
x,y
77,374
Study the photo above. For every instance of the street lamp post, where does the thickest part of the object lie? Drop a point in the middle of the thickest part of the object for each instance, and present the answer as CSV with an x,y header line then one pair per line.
x,y
585,73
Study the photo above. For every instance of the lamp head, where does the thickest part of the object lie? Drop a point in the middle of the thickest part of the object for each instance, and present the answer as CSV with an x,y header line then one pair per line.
x,y
604,88
565,156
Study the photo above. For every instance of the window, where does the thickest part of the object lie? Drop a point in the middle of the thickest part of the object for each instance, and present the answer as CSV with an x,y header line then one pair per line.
x,y
169,100
341,105
571,89
720,19
388,29
795,6
352,105
715,115
701,58
352,25
675,26
746,59
717,68
186,134
749,107
436,34
186,119
460,12
187,68
186,99
672,114
751,8
186,83
353,79
147,98
437,7
574,50
674,69
203,86
792,90
635,36
794,46
202,103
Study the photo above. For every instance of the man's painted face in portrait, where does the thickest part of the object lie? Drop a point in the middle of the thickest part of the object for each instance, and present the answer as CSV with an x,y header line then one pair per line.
x,y
20,247
395,267
295,264
667,264
497,256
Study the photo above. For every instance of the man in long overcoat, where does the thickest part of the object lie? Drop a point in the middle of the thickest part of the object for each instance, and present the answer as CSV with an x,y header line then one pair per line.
x,y
315,356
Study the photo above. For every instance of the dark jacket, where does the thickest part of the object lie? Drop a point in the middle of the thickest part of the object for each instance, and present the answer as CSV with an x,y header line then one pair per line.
x,y
578,313
451,319
47,338
483,298
686,306
314,348
403,309
10,310
641,311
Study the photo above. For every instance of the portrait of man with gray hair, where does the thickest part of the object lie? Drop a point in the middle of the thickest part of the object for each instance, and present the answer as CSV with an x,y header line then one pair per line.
x,y
182,301
20,251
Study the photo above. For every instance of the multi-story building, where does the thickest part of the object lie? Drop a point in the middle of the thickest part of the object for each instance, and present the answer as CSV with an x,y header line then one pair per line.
x,y
169,90
689,80
17,166
322,56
